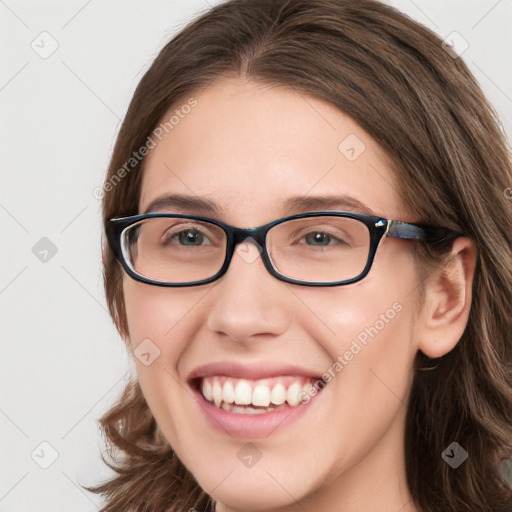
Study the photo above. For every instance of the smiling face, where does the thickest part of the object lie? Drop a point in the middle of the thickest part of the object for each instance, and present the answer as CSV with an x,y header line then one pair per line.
x,y
250,148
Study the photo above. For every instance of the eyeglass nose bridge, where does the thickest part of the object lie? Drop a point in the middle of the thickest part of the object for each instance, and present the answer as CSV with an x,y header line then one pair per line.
x,y
257,235
239,235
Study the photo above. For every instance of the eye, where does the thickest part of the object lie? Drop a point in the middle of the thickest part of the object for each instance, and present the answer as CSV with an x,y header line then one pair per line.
x,y
318,238
323,239
190,237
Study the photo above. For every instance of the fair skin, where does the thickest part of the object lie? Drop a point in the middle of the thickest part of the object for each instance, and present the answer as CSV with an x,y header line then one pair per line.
x,y
249,148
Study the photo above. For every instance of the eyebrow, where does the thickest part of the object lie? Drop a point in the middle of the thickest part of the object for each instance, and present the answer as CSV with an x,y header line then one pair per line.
x,y
299,204
184,202
291,205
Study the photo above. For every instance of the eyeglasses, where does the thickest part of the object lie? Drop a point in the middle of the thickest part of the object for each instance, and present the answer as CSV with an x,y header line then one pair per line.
x,y
321,248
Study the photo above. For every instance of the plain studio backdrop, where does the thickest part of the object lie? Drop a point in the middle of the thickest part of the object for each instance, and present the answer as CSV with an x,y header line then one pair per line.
x,y
68,71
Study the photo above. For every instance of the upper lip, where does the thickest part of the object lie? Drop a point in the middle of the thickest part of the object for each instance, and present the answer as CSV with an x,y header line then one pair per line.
x,y
255,370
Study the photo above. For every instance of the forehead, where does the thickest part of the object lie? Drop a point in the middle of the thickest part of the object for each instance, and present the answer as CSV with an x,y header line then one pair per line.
x,y
249,148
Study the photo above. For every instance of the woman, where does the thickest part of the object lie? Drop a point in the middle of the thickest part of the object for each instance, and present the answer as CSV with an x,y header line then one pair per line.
x,y
354,352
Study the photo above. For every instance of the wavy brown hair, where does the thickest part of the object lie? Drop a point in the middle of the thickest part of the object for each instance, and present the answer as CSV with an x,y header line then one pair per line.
x,y
426,110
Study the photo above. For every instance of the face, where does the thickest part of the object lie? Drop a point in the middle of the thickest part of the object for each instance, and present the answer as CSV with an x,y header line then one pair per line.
x,y
249,148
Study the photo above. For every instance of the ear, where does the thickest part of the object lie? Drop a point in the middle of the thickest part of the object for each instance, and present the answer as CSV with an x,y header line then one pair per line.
x,y
448,294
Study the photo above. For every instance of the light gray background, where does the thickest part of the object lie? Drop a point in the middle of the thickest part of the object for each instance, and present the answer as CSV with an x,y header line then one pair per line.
x,y
62,363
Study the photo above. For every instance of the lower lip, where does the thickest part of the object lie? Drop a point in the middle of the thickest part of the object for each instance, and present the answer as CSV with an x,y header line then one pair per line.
x,y
250,426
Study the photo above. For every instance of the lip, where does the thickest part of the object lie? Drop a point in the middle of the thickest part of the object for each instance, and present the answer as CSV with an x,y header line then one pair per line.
x,y
248,426
254,371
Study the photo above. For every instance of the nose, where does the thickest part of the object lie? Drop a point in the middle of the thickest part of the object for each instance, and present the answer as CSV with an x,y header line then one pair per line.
x,y
248,301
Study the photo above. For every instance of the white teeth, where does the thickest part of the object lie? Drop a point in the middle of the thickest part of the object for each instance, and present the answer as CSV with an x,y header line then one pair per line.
x,y
261,396
207,390
217,393
245,410
292,395
251,410
267,394
228,392
243,393
278,395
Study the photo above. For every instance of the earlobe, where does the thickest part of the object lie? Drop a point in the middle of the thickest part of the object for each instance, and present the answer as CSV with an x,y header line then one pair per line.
x,y
448,294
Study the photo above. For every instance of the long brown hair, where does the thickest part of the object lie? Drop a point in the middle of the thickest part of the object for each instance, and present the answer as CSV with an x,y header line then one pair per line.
x,y
453,164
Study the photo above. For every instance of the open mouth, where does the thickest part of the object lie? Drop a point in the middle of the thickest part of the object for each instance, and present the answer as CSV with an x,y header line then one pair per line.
x,y
246,396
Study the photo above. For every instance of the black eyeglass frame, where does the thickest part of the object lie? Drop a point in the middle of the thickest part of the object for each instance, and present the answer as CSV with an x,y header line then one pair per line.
x,y
378,228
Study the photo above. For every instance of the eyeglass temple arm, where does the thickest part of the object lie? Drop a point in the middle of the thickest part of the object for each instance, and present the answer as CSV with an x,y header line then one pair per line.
x,y
431,235
397,229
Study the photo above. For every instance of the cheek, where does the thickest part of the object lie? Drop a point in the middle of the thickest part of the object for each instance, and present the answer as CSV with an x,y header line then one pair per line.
x,y
375,376
158,313
160,325
381,306
372,348
157,319
369,337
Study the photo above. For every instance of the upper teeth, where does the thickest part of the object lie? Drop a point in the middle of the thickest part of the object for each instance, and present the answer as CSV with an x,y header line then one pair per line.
x,y
260,393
